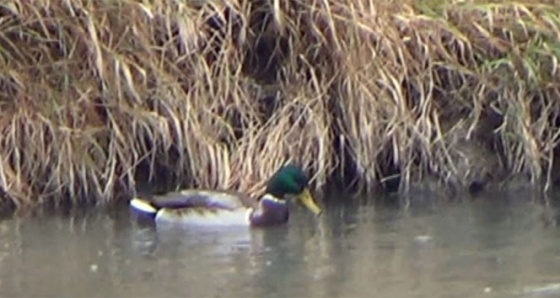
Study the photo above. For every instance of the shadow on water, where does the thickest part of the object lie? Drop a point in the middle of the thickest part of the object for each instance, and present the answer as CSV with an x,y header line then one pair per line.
x,y
493,246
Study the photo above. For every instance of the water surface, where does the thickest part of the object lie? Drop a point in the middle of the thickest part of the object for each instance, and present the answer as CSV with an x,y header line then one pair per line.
x,y
494,246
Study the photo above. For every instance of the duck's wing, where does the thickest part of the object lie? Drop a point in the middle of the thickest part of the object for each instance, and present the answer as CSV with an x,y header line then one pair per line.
x,y
201,198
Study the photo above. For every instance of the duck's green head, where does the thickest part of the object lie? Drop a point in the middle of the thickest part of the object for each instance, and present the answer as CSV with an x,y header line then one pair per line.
x,y
290,180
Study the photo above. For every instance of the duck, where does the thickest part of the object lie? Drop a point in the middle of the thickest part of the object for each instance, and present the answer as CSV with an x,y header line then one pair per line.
x,y
207,207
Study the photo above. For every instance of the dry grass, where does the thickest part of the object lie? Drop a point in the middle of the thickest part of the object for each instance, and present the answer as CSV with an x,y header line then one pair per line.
x,y
95,94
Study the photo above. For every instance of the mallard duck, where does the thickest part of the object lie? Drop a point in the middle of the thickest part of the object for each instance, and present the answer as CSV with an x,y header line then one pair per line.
x,y
232,208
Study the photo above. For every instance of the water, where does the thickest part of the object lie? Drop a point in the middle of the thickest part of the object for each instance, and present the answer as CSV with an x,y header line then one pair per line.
x,y
490,247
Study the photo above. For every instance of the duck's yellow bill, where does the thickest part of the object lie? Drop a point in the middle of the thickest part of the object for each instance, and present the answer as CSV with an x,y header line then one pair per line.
x,y
307,199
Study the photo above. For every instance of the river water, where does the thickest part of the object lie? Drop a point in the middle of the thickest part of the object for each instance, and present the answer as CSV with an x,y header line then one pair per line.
x,y
492,246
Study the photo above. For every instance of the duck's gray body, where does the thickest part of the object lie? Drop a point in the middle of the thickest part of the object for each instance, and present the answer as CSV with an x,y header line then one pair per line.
x,y
200,207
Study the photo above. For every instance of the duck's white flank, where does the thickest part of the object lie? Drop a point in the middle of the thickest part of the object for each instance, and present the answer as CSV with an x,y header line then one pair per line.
x,y
237,217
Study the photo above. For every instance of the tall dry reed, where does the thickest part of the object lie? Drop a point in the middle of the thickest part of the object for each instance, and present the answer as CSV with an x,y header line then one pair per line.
x,y
100,97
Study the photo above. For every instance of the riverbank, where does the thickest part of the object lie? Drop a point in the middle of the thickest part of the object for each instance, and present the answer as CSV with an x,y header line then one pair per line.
x,y
100,99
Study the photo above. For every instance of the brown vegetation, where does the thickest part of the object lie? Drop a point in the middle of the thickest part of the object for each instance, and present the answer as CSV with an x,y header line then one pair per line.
x,y
100,97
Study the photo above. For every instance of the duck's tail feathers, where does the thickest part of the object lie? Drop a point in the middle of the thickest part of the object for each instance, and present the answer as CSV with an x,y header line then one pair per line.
x,y
143,206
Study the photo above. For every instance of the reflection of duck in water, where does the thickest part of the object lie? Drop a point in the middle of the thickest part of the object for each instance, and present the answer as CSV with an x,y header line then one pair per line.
x,y
228,208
